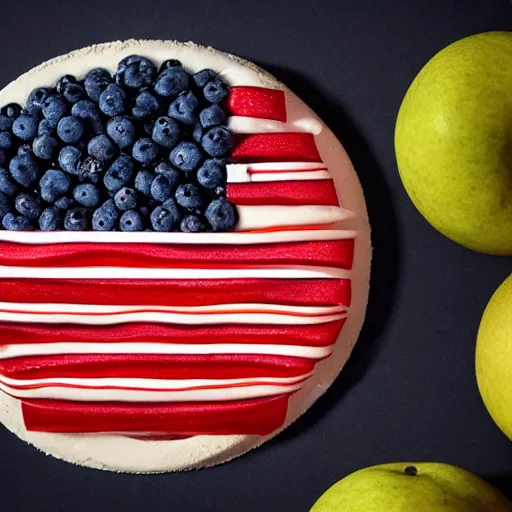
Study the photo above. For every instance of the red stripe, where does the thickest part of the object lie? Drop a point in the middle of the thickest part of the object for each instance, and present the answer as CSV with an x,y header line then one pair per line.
x,y
177,292
257,102
258,416
12,333
315,192
275,147
155,366
336,253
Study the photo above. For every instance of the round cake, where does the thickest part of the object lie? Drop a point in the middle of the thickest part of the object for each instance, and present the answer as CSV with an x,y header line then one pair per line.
x,y
180,337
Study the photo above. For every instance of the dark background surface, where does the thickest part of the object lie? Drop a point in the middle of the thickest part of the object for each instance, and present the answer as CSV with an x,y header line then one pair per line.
x,y
409,391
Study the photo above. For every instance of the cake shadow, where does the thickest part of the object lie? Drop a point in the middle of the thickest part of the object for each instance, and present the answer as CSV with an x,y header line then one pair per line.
x,y
385,243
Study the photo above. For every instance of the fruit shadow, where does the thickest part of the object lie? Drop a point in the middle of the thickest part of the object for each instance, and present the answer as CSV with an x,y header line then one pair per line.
x,y
501,482
385,242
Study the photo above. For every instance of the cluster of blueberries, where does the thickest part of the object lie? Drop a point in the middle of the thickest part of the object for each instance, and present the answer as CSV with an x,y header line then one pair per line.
x,y
141,150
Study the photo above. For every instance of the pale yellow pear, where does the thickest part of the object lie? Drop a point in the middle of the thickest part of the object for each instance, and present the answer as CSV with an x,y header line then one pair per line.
x,y
494,357
408,487
453,142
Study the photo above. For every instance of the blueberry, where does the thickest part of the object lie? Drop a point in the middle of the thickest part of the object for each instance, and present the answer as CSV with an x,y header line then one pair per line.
x,y
8,114
220,191
3,157
146,106
171,82
217,141
125,199
69,87
28,205
16,223
102,148
54,109
161,188
170,63
5,207
95,82
145,151
188,195
166,132
54,184
25,127
24,169
6,140
201,78
69,158
90,169
90,114
87,195
167,170
70,129
212,173
122,131
105,217
131,220
77,219
64,203
119,173
25,149
197,133
135,72
51,219
113,100
192,224
7,185
185,108
186,156
215,90
45,128
212,116
166,216
221,215
35,100
143,181
45,147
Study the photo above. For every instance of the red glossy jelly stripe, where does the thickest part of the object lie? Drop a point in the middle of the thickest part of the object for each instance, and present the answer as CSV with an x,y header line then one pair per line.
x,y
257,102
258,416
14,333
177,292
337,253
316,192
275,147
155,366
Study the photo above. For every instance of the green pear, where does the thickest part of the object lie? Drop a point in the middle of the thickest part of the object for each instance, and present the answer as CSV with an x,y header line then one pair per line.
x,y
453,142
424,487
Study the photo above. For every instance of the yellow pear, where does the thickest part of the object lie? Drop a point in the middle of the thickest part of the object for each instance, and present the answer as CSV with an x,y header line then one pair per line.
x,y
407,487
453,142
494,357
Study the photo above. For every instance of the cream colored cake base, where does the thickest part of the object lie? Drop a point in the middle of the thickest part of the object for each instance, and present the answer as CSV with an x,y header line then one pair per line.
x,y
117,453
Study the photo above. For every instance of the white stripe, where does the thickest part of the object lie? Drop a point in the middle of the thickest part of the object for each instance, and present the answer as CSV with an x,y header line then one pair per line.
x,y
165,318
61,348
197,310
280,176
150,384
264,217
143,237
101,395
268,272
239,173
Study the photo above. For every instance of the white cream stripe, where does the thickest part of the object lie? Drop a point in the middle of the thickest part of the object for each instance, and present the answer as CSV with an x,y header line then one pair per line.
x,y
267,272
265,217
146,237
99,395
197,310
275,171
61,348
165,318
